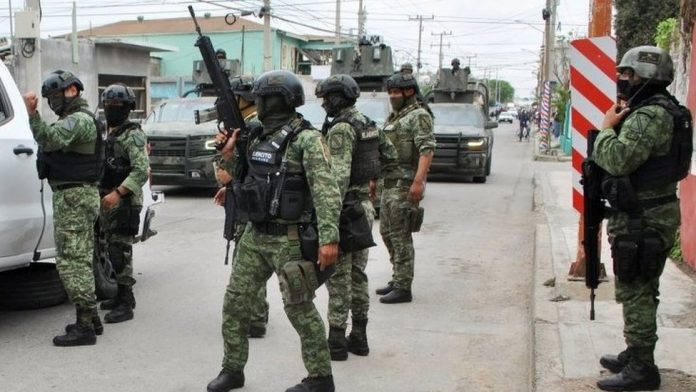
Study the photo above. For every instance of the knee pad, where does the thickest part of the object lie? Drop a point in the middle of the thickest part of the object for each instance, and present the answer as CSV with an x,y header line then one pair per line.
x,y
298,282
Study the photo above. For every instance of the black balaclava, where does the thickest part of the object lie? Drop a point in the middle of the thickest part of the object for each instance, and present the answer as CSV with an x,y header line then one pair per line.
x,y
335,103
273,112
116,114
401,102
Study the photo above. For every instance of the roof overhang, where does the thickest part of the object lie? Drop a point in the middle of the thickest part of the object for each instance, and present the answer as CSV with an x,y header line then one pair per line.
x,y
134,45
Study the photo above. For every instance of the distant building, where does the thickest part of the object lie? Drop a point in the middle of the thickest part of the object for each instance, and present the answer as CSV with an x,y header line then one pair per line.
x,y
171,71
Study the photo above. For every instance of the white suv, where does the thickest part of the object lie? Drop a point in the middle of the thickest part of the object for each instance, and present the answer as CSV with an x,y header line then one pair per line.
x,y
28,277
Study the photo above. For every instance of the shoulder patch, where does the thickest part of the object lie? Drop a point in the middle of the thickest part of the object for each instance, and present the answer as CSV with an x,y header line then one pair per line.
x,y
138,139
336,143
69,123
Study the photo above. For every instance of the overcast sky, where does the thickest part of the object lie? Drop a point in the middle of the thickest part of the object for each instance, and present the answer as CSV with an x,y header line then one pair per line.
x,y
502,35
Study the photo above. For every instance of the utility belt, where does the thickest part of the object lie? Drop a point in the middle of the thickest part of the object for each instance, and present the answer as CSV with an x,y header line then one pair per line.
x,y
272,228
63,187
396,182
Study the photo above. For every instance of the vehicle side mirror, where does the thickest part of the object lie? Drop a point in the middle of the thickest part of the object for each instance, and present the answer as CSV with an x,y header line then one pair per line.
x,y
491,125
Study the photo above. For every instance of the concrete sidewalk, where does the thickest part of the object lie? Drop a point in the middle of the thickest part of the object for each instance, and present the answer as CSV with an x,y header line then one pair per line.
x,y
567,344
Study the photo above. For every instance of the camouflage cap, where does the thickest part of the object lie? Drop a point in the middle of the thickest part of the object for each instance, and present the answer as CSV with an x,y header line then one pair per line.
x,y
648,62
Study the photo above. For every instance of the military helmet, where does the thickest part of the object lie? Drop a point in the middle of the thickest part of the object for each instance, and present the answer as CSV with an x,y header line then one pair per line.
x,y
220,53
118,94
401,81
406,67
649,63
455,61
343,84
282,83
242,86
59,80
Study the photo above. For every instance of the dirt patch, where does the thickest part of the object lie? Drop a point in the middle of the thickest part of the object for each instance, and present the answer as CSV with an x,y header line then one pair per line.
x,y
672,381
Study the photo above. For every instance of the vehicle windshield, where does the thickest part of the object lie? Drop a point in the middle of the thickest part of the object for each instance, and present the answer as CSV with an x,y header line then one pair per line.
x,y
457,114
179,110
376,109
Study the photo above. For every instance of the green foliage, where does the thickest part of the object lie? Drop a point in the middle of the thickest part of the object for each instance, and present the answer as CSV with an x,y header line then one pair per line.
x,y
676,253
666,33
636,21
559,101
507,92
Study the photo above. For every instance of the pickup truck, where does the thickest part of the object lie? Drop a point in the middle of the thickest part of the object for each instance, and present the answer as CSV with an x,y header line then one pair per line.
x,y
28,276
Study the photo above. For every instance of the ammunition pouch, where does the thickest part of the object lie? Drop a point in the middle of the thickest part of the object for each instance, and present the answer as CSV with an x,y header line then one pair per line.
x,y
652,255
309,242
624,251
298,282
293,198
354,227
638,255
620,194
254,197
127,218
231,216
415,218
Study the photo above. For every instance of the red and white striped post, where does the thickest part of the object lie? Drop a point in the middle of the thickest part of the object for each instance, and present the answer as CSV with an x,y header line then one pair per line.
x,y
592,93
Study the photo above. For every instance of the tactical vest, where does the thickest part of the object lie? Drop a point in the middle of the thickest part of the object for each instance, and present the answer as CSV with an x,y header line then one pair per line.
x,y
365,164
269,191
666,169
70,166
116,168
406,148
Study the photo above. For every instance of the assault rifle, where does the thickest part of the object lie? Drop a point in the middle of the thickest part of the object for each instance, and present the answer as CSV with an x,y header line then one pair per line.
x,y
593,215
229,118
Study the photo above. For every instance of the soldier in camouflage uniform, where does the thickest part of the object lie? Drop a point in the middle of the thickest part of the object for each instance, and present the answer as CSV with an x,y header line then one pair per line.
x,y
125,173
286,180
357,147
645,150
71,157
410,129
241,87
406,68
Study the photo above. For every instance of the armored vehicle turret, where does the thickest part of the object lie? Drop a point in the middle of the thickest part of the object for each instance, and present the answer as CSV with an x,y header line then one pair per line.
x,y
370,64
201,77
457,86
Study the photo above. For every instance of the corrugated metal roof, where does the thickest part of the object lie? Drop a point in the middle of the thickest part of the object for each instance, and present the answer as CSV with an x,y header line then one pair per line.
x,y
168,26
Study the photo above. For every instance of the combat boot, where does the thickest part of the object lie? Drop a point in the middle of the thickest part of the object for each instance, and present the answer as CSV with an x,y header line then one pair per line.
x,y
337,344
357,340
226,381
397,296
636,376
386,289
314,384
81,335
124,310
615,363
96,322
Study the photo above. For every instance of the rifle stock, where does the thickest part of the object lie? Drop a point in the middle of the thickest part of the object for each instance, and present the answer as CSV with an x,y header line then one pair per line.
x,y
593,215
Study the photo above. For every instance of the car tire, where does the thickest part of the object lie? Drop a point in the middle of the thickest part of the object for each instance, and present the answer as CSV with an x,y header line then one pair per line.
x,y
480,179
105,285
488,165
34,287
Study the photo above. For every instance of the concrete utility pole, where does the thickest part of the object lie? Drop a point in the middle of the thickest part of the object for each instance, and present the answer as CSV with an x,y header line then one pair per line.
x,y
267,59
33,73
448,45
550,34
419,18
338,22
469,59
361,19
10,10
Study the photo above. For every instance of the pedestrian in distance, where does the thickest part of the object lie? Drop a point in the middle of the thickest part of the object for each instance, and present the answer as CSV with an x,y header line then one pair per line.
x,y
71,157
242,88
285,182
125,172
645,150
410,129
358,149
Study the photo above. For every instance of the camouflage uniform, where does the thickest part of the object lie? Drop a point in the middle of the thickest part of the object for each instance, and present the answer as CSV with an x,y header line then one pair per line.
x,y
259,312
646,132
74,209
129,144
260,254
348,289
411,132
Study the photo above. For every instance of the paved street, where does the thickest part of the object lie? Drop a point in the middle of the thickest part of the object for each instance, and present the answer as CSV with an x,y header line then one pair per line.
x,y
468,329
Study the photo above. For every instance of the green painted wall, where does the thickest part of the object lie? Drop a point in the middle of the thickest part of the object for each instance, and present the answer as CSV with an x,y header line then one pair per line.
x,y
180,63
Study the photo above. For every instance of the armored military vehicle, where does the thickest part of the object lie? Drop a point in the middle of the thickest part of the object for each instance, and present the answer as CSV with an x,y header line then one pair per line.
x,y
371,64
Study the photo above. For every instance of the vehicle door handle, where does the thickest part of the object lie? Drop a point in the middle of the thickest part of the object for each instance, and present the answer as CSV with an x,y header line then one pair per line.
x,y
23,150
